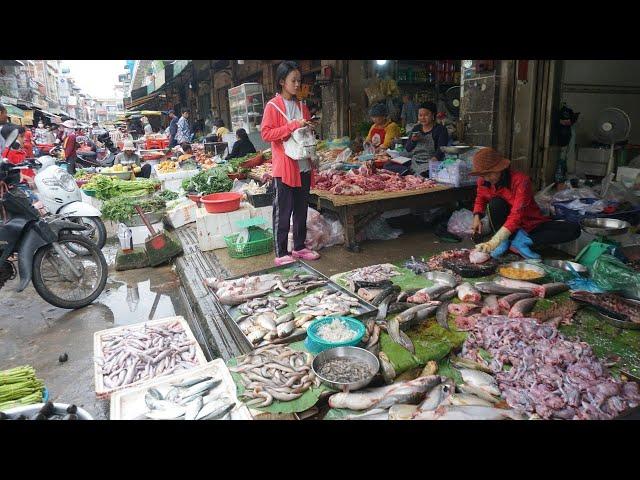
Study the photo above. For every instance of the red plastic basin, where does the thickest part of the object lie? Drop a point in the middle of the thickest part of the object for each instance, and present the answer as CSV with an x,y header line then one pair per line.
x,y
221,202
195,198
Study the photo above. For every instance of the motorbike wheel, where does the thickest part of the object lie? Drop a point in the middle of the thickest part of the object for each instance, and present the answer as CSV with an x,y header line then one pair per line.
x,y
54,280
97,232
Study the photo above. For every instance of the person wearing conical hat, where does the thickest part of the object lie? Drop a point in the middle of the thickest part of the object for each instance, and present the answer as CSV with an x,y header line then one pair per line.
x,y
505,195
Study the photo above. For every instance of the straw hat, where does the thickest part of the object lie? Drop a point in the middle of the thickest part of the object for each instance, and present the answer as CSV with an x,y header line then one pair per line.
x,y
488,160
69,124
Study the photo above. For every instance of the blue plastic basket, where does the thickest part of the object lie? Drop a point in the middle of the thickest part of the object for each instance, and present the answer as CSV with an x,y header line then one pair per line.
x,y
315,344
562,212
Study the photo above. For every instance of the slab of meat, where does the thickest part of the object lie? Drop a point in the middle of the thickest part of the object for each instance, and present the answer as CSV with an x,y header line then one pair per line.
x,y
468,293
465,324
362,180
462,308
490,306
478,257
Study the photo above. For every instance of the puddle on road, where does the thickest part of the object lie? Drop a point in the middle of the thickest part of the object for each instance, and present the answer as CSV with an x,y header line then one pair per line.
x,y
133,301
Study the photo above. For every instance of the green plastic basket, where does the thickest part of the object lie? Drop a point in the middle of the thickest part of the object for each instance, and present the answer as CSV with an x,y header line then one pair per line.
x,y
89,193
257,246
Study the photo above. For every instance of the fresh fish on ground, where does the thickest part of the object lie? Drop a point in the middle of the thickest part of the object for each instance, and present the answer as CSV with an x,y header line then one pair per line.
x,y
509,301
416,266
442,314
373,414
611,303
436,397
393,328
551,289
373,273
563,310
467,399
383,307
368,294
468,293
215,410
388,372
534,288
402,411
462,308
287,317
461,362
192,409
522,307
428,294
392,290
490,305
469,412
431,368
384,397
481,380
478,392
397,307
448,295
498,289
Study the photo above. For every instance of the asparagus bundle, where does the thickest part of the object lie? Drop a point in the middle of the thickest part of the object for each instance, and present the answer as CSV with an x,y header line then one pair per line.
x,y
19,386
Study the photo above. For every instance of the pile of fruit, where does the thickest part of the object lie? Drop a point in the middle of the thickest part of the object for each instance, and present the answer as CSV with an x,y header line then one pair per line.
x,y
167,167
119,168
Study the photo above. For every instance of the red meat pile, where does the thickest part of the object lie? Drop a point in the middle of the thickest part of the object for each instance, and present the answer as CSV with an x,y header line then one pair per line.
x,y
362,180
550,375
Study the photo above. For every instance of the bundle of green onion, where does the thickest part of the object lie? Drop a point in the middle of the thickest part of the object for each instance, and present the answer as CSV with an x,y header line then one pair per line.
x,y
19,386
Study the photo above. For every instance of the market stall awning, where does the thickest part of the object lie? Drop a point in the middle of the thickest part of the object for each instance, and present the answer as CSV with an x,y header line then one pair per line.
x,y
11,63
14,111
142,100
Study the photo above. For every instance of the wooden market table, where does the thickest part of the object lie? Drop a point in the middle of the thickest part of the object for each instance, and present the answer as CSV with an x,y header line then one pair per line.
x,y
355,211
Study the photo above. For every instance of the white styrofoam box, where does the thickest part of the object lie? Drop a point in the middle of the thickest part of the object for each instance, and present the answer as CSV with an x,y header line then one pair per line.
x,y
140,234
182,214
211,228
627,175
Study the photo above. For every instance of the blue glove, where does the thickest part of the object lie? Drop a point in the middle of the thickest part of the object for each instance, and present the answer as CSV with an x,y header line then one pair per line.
x,y
522,243
501,249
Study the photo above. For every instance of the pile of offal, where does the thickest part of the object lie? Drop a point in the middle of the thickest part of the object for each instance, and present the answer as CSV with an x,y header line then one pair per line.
x,y
532,369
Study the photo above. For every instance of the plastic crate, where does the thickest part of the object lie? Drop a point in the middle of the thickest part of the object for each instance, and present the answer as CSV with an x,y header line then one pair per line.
x,y
249,249
456,173
261,200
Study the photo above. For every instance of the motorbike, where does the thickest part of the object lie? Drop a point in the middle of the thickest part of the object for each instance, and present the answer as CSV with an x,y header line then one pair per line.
x,y
60,194
67,270
90,159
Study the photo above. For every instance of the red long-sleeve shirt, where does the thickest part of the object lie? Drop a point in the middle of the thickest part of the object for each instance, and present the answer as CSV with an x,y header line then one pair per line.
x,y
70,145
276,129
515,188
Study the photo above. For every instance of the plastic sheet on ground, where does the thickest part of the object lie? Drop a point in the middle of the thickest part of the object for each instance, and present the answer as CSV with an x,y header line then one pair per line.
x,y
611,275
323,231
378,229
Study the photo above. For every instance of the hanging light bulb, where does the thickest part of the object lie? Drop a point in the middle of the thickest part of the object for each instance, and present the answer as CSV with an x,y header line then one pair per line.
x,y
381,62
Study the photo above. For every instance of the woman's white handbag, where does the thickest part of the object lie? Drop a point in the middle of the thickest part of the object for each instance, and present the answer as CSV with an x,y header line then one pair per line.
x,y
301,144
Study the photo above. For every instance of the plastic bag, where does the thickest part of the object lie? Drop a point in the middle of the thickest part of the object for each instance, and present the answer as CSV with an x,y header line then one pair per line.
x,y
344,155
461,223
321,232
378,229
544,198
610,274
617,192
573,194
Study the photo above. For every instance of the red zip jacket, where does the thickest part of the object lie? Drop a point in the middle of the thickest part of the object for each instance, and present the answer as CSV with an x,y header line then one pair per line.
x,y
276,129
515,188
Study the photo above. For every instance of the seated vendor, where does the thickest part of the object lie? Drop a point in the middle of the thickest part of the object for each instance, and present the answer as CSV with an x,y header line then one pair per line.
x,y
130,157
187,152
514,216
242,145
383,131
425,140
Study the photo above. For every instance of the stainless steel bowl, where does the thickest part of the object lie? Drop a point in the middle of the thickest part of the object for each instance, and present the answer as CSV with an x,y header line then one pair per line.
x,y
441,278
604,226
566,265
455,149
58,409
342,352
523,266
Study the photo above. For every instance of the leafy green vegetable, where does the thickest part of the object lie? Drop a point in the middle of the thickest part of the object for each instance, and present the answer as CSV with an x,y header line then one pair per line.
x,y
109,187
167,195
122,209
214,180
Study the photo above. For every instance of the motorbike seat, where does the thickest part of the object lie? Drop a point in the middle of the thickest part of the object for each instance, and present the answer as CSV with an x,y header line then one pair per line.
x,y
87,155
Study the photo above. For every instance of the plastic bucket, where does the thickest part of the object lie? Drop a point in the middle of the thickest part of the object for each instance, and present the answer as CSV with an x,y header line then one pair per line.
x,y
221,202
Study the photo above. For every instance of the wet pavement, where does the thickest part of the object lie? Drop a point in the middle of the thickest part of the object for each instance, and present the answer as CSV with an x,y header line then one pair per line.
x,y
32,332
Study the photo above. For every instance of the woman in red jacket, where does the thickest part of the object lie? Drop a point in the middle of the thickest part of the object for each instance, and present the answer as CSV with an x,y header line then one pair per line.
x,y
292,178
514,215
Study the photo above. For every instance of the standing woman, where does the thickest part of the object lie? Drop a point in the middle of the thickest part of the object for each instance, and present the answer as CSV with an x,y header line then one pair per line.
x,y
284,114
425,140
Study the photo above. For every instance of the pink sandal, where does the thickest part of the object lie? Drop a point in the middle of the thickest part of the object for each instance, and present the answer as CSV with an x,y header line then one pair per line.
x,y
284,260
306,254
